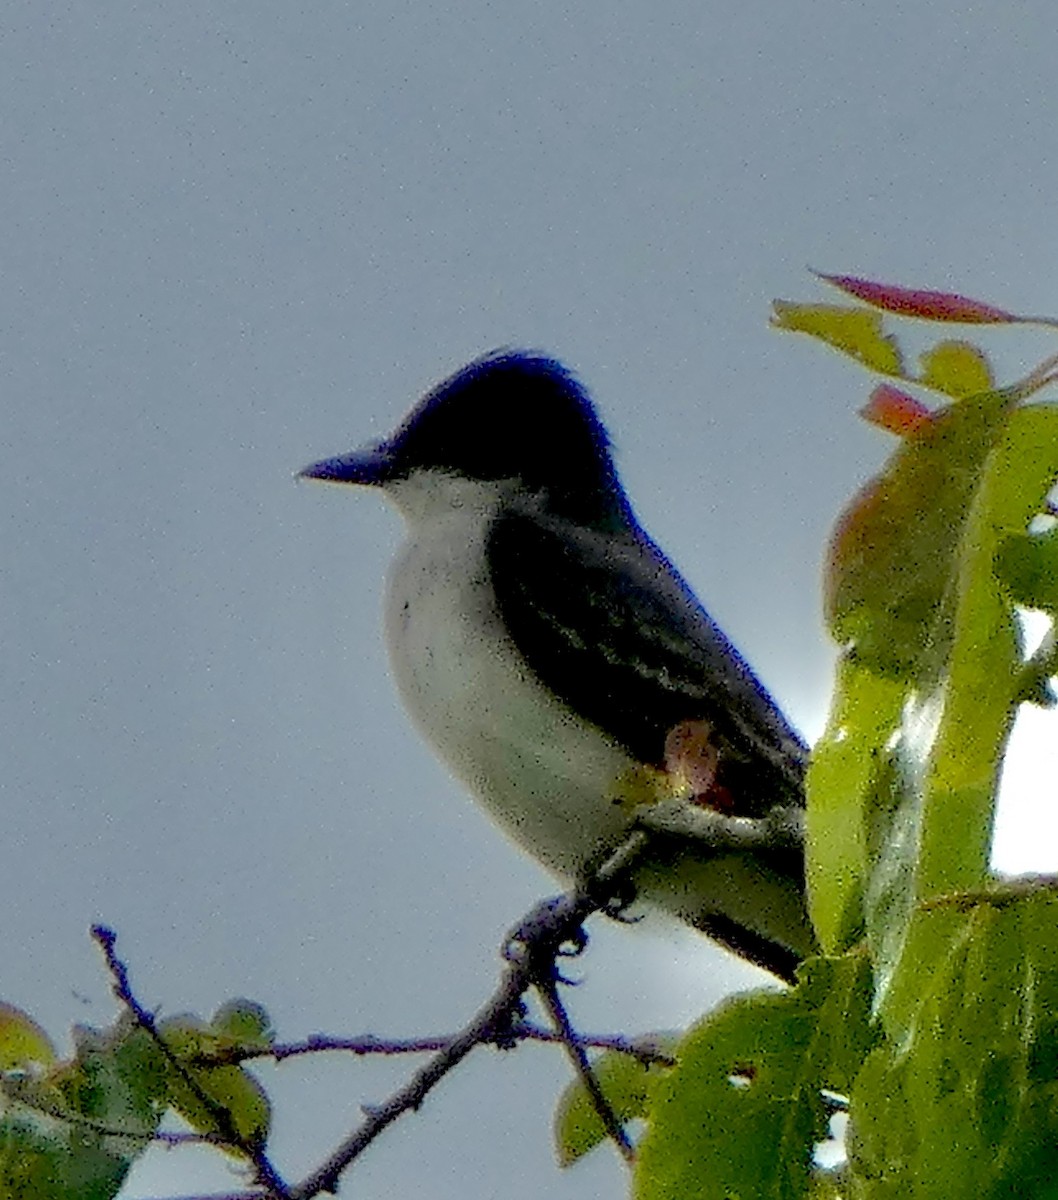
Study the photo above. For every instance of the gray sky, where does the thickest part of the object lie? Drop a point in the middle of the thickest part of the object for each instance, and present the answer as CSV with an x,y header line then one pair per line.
x,y
239,237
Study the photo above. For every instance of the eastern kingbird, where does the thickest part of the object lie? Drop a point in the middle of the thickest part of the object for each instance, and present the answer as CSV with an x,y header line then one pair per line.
x,y
561,667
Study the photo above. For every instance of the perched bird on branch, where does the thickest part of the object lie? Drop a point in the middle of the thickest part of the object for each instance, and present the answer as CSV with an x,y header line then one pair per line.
x,y
564,671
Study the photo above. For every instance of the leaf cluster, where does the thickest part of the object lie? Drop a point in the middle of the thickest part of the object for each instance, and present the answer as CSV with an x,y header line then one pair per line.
x,y
71,1128
931,1022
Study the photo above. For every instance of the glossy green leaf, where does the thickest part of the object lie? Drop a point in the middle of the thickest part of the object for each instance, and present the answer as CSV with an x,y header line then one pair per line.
x,y
742,1112
967,1107
912,597
926,569
983,686
842,786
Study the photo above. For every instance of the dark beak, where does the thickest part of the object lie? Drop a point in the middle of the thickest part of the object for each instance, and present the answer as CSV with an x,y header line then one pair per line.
x,y
371,465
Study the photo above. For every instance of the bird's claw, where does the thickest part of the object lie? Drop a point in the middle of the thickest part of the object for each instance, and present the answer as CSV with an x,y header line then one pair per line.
x,y
548,923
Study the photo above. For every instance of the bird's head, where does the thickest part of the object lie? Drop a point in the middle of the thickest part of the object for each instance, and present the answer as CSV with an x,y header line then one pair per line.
x,y
511,417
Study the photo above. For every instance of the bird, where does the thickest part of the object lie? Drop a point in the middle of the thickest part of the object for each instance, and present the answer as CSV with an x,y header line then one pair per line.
x,y
561,667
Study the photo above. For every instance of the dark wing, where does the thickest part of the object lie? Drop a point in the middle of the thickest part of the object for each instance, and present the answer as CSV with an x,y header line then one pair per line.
x,y
610,627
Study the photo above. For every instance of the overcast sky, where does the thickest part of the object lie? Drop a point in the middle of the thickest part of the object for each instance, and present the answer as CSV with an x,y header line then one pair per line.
x,y
237,237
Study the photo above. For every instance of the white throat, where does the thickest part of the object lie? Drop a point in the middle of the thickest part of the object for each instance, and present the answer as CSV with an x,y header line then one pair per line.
x,y
429,499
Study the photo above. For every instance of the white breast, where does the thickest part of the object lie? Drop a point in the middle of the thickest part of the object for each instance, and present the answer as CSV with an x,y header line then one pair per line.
x,y
550,781
557,786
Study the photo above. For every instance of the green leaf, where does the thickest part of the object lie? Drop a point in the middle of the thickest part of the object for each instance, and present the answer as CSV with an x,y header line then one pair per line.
x,y
857,332
1027,566
957,369
842,786
117,1077
223,1101
893,549
982,689
742,1112
243,1024
44,1159
22,1041
930,678
73,1133
926,569
626,1082
838,992
966,1106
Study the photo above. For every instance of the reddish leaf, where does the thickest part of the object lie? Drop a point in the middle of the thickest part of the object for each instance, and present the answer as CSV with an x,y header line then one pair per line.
x,y
921,302
895,411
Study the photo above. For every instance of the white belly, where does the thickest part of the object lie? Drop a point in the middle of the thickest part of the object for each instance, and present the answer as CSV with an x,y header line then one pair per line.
x,y
552,783
559,788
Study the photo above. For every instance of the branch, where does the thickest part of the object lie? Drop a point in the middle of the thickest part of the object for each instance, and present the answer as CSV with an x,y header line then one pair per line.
x,y
369,1043
530,955
268,1177
530,952
548,991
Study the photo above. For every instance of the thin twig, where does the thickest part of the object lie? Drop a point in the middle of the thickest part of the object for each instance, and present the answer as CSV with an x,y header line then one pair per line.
x,y
371,1044
548,991
530,954
267,1175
